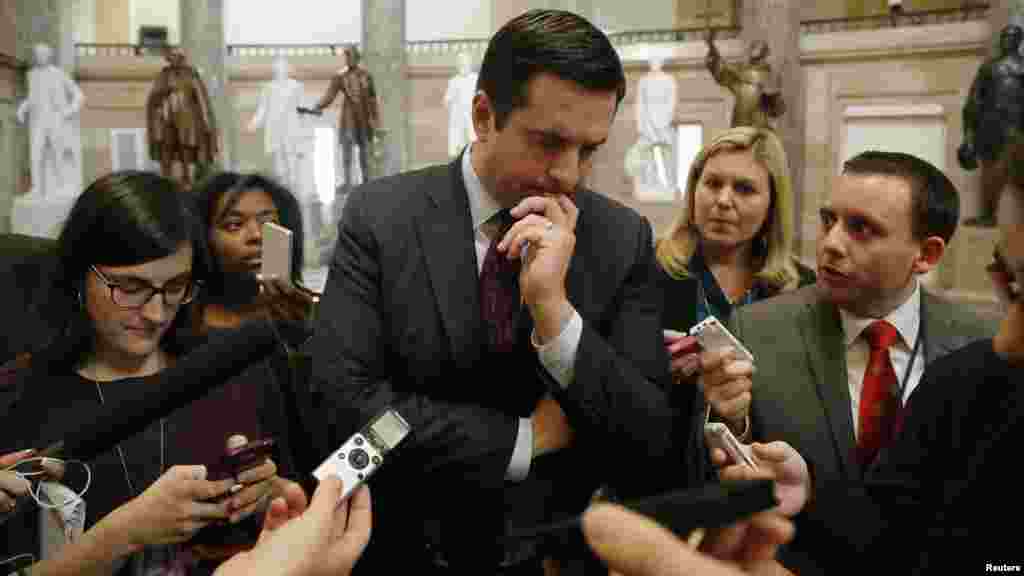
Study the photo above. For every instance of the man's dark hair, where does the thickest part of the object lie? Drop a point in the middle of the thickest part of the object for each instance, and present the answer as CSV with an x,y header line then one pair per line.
x,y
547,41
934,201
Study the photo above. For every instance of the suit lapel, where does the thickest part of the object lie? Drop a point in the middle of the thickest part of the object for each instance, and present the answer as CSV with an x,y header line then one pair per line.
x,y
822,332
446,235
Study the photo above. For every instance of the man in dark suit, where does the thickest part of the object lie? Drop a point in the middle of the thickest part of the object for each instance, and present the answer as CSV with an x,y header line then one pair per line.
x,y
935,499
527,359
828,387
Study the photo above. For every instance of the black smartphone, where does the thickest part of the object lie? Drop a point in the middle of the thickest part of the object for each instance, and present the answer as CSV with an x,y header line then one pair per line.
x,y
234,462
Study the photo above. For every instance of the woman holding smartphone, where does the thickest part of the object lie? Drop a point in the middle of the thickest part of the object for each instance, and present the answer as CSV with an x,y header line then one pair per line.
x,y
128,257
732,244
269,399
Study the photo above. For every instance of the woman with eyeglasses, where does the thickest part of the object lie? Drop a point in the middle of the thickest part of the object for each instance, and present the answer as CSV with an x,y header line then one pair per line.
x,y
128,253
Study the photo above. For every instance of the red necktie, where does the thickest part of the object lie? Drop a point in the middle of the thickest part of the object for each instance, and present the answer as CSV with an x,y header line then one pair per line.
x,y
880,410
499,290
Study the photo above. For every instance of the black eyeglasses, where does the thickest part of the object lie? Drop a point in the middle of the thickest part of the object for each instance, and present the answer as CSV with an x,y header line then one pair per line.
x,y
136,293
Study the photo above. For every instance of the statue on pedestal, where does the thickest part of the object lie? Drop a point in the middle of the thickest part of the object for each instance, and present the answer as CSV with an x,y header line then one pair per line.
x,y
180,123
53,101
993,113
359,119
278,114
757,89
459,100
650,159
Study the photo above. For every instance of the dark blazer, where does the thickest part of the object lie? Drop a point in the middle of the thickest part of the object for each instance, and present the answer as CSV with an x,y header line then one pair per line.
x,y
681,297
941,496
399,324
801,393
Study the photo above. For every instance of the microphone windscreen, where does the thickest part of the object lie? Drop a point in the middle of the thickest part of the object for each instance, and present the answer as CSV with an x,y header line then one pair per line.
x,y
223,356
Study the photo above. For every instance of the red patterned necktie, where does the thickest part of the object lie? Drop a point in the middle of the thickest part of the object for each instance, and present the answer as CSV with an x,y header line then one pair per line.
x,y
880,410
499,289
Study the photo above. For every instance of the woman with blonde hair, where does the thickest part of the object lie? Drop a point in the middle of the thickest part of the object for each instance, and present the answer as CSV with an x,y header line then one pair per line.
x,y
732,244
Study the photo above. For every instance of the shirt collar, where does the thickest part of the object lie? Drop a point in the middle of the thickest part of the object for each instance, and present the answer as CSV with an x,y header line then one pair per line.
x,y
905,318
482,207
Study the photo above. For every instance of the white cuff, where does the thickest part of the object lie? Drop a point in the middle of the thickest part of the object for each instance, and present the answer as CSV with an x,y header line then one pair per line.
x,y
559,355
519,464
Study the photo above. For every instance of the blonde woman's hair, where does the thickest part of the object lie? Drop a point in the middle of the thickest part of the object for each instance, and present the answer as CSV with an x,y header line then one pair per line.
x,y
774,265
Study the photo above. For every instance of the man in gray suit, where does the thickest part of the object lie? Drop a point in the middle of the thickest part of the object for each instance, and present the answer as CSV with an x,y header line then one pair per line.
x,y
820,385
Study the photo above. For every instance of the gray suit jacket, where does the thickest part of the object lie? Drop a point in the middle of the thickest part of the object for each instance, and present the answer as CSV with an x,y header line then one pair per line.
x,y
800,390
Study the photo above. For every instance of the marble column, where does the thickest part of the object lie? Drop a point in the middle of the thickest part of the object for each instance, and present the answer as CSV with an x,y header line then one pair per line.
x,y
383,54
203,39
777,22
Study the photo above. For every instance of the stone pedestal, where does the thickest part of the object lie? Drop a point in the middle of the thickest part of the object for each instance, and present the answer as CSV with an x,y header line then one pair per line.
x,y
777,22
35,216
203,39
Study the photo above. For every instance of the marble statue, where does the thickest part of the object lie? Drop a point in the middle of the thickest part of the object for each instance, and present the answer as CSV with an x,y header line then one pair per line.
x,y
655,110
757,89
52,104
359,119
283,135
180,123
993,113
459,101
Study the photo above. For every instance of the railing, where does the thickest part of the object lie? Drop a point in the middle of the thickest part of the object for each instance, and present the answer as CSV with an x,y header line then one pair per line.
x,y
967,12
694,34
119,50
287,49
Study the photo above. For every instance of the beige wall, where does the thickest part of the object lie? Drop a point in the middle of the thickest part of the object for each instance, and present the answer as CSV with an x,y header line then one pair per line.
x,y
826,9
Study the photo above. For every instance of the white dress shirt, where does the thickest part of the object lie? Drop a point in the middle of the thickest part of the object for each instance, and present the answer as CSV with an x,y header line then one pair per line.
x,y
557,356
907,321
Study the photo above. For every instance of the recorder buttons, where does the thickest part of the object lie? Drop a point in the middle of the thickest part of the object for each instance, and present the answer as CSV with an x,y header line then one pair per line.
x,y
359,459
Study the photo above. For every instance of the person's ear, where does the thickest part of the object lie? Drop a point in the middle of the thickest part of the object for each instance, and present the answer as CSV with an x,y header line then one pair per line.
x,y
483,116
932,249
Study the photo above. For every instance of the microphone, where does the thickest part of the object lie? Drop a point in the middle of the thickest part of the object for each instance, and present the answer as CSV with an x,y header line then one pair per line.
x,y
225,355
712,505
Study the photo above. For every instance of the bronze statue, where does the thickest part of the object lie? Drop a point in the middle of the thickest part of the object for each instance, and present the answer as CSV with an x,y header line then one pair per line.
x,y
359,121
756,88
993,114
180,124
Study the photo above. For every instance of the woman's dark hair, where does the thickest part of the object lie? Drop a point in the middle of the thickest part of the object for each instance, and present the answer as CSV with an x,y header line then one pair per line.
x,y
122,219
230,186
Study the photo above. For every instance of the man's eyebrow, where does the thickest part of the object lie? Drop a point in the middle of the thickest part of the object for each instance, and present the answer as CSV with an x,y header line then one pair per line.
x,y
561,136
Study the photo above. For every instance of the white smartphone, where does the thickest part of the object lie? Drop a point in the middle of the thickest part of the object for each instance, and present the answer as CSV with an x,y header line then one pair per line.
x,y
364,452
276,259
713,335
718,435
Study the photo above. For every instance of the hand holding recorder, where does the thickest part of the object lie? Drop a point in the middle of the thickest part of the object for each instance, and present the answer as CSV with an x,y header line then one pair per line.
x,y
778,461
